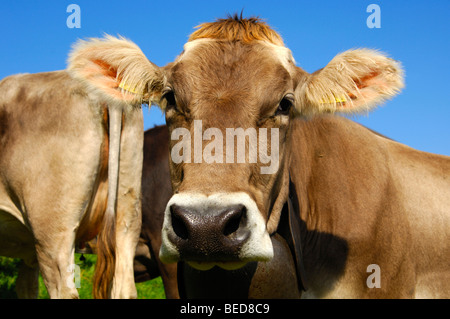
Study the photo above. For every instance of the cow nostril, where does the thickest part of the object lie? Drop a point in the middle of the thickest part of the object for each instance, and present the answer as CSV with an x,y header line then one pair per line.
x,y
178,225
234,221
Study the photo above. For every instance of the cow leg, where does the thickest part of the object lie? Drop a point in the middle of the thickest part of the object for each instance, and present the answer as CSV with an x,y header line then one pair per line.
x,y
128,222
27,283
54,223
56,264
170,280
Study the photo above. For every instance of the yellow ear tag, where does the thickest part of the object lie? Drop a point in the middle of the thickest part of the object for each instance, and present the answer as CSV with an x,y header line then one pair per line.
x,y
340,99
126,87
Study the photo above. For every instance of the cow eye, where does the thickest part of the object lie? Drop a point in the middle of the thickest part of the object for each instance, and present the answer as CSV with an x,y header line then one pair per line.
x,y
285,106
168,99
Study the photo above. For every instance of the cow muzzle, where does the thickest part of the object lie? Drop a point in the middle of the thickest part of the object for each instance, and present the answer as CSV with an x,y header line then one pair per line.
x,y
225,230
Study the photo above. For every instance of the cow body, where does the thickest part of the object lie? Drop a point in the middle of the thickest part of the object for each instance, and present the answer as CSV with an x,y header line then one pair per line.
x,y
365,199
54,179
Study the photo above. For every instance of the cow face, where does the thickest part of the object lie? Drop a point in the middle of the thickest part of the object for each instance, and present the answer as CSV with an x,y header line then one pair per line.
x,y
228,107
229,100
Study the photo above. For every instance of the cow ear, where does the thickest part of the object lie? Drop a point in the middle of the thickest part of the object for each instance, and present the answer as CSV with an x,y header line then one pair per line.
x,y
116,70
354,81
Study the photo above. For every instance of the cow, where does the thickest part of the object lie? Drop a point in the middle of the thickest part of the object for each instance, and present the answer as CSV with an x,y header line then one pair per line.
x,y
70,169
366,203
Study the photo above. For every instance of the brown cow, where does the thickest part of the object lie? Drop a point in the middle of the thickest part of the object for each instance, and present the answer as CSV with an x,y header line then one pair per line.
x,y
367,203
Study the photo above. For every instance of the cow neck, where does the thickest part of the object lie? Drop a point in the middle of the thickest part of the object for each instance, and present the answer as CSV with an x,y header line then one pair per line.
x,y
289,229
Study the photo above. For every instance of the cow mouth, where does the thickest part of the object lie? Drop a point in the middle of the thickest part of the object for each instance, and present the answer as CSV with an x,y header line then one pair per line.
x,y
204,266
221,229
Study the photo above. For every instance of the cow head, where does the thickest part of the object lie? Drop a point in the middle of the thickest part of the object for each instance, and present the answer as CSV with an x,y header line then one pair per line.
x,y
229,99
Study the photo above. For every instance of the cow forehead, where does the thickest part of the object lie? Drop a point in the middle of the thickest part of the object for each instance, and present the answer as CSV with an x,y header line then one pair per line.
x,y
280,53
232,72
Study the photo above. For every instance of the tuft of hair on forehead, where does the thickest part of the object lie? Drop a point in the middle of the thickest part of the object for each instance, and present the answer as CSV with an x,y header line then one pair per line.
x,y
235,28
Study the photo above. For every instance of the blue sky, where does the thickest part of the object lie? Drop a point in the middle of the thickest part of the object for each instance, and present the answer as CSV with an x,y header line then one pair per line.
x,y
35,38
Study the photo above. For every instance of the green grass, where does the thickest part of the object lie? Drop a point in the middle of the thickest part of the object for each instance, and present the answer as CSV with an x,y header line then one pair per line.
x,y
152,289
